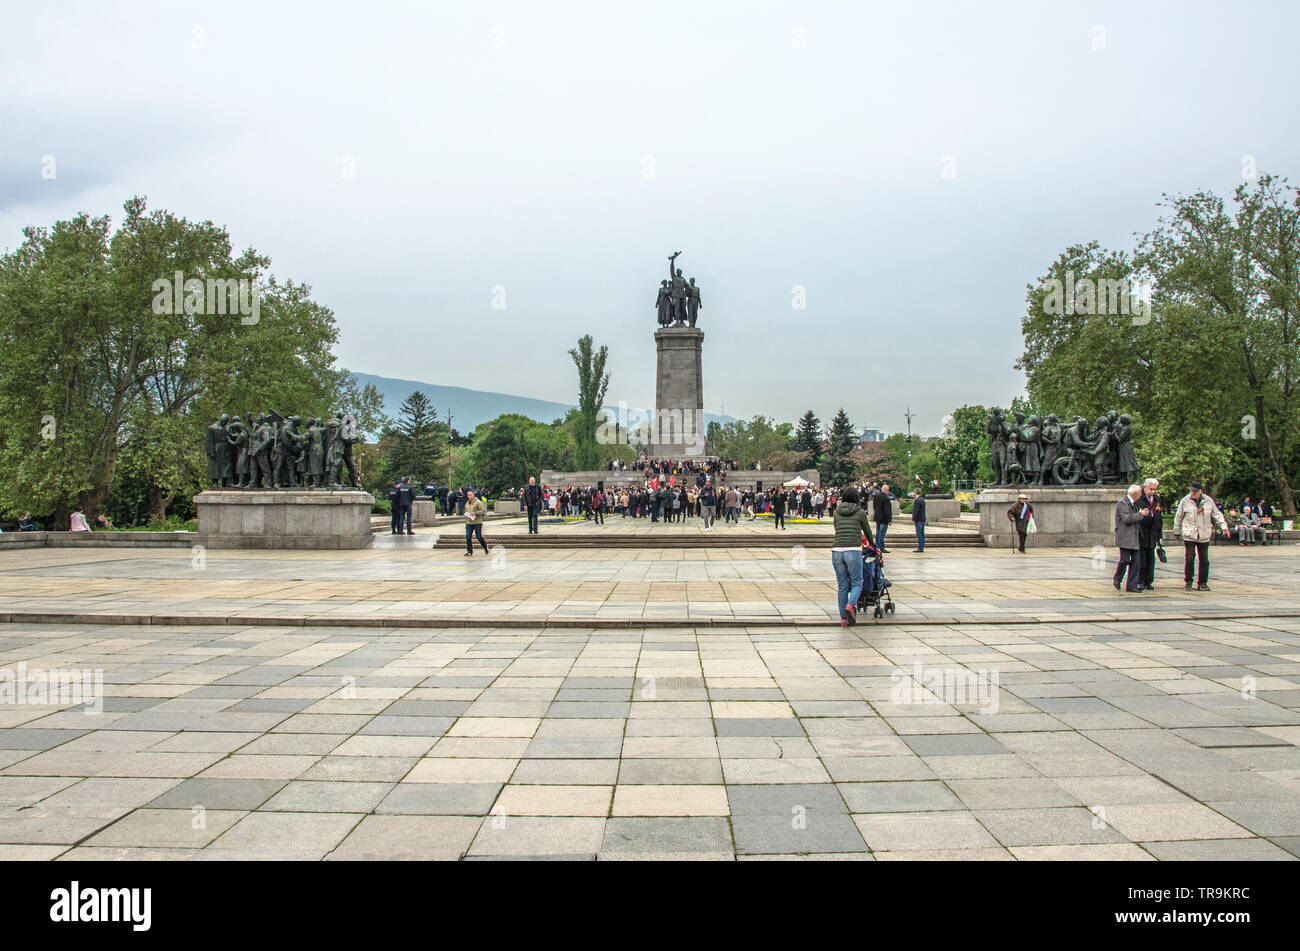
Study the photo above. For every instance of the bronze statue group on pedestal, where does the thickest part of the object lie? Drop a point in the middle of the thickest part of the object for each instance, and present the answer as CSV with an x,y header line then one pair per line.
x,y
1041,451
282,453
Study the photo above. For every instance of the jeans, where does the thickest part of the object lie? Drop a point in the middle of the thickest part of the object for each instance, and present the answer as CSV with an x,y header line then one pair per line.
x,y
848,573
532,519
1192,551
920,535
881,528
778,520
472,529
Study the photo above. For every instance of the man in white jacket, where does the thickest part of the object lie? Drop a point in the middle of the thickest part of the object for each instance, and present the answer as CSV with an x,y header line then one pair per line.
x,y
1194,522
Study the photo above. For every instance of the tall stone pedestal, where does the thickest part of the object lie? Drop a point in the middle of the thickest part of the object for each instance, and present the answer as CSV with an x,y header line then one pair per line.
x,y
287,518
1066,516
679,428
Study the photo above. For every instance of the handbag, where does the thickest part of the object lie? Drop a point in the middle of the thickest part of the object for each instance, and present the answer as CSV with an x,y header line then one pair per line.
x,y
1160,553
1032,527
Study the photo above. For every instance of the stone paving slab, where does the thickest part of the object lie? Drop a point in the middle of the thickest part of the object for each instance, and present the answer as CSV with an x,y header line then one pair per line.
x,y
1143,738
433,587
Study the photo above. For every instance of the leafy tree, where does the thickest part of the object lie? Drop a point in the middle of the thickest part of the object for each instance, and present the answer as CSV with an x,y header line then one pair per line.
x,y
100,370
963,449
751,441
593,384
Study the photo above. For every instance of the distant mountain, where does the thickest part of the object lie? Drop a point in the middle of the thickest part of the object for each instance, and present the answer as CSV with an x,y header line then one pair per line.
x,y
469,407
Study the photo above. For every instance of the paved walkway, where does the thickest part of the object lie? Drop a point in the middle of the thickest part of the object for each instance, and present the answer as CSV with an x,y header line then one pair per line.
x,y
1130,740
428,583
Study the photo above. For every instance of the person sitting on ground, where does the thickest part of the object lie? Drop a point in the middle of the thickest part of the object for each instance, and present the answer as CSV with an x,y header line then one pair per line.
x,y
103,522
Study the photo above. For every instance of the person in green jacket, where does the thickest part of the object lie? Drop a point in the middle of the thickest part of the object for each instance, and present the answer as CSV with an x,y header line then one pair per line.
x,y
851,523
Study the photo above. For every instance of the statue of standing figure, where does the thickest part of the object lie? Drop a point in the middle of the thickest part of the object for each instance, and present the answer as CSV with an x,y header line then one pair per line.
x,y
217,445
678,300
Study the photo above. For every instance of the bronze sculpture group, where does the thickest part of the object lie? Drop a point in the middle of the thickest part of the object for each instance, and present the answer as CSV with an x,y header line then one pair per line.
x,y
282,453
678,302
1046,451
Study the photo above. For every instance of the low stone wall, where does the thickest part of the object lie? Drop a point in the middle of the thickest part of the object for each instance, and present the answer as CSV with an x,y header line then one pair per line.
x,y
289,518
1066,516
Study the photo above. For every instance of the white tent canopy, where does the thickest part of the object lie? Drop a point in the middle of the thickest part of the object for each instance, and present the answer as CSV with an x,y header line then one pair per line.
x,y
798,481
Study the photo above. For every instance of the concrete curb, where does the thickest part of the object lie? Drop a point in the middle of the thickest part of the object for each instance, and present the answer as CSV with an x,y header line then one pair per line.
x,y
412,621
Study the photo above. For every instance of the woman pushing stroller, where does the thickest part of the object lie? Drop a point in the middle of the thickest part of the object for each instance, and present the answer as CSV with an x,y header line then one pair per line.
x,y
851,525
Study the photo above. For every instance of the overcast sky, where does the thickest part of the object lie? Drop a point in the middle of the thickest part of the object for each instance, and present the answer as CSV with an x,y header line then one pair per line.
x,y
562,150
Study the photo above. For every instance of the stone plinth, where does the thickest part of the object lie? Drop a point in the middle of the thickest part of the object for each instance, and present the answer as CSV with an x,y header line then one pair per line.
x,y
287,518
936,509
1066,516
678,427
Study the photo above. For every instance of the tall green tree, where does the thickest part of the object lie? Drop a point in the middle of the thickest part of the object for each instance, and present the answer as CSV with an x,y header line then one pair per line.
x,y
417,447
808,439
593,384
837,466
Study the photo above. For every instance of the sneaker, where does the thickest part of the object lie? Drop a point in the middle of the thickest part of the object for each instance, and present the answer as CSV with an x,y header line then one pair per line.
x,y
468,554
844,622
1187,586
1151,587
1202,587
852,614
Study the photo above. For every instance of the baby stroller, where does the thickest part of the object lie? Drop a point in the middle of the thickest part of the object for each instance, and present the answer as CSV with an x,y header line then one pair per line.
x,y
875,586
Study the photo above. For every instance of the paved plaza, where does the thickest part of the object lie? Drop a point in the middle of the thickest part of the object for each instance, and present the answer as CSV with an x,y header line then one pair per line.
x,y
1015,708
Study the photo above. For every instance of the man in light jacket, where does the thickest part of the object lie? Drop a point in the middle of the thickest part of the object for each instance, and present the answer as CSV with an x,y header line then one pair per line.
x,y
1194,522
1129,513
475,512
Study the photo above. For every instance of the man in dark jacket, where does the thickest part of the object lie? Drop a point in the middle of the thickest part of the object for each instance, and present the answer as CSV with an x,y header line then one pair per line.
x,y
882,513
532,498
1151,528
918,519
405,499
394,512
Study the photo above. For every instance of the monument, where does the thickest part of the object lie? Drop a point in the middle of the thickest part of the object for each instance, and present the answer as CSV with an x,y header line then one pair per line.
x,y
280,484
678,428
1072,473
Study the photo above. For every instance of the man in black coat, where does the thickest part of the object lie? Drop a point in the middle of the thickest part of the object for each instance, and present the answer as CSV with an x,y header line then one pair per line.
x,y
778,508
532,499
393,510
405,499
918,519
882,513
1150,529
